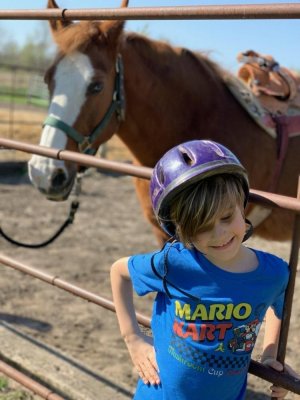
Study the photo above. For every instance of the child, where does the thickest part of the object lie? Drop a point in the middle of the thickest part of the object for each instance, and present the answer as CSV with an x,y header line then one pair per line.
x,y
212,291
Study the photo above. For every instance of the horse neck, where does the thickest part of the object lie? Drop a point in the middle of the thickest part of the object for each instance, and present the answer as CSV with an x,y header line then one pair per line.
x,y
168,91
173,95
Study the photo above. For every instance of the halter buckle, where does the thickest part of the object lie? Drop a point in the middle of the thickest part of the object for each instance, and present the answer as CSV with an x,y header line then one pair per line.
x,y
84,145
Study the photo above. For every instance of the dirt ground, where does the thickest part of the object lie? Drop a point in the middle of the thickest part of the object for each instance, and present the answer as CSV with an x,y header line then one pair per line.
x,y
108,225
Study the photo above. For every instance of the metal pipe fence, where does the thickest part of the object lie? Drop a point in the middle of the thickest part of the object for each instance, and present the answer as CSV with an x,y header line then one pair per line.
x,y
259,197
213,12
216,12
264,198
28,382
23,100
256,368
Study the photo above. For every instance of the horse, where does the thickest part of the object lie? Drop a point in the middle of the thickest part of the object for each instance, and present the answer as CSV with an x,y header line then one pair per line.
x,y
153,95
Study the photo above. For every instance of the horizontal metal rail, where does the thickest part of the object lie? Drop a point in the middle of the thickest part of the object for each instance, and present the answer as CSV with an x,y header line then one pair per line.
x,y
82,159
256,196
264,198
64,285
208,12
14,67
27,382
281,379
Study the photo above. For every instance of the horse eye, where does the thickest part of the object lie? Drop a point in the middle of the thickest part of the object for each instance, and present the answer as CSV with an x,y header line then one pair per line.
x,y
95,87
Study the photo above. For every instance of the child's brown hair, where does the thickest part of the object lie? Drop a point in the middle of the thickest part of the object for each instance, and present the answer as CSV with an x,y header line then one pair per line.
x,y
196,208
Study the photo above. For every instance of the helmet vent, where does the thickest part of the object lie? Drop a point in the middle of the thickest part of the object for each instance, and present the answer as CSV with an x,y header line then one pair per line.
x,y
187,158
161,176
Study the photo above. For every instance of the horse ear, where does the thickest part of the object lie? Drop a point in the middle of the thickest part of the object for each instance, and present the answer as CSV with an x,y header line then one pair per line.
x,y
113,29
56,24
124,3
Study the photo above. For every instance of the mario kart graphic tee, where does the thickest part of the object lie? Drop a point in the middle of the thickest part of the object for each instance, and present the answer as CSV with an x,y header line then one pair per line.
x,y
205,320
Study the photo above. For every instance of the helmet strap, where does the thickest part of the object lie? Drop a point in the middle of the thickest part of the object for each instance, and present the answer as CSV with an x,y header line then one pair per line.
x,y
165,272
249,230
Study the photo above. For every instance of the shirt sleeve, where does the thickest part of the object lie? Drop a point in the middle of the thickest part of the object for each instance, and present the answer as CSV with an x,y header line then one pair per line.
x,y
146,272
278,303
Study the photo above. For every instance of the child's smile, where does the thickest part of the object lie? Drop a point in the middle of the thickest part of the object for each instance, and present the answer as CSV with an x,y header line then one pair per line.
x,y
221,244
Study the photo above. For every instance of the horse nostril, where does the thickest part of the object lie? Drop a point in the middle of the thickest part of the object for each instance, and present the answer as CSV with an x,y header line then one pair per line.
x,y
58,178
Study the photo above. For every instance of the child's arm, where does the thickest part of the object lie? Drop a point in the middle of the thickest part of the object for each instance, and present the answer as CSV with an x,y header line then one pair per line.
x,y
139,345
271,338
270,347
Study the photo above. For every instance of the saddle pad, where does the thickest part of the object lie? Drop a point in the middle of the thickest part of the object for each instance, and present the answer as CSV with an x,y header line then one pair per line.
x,y
250,103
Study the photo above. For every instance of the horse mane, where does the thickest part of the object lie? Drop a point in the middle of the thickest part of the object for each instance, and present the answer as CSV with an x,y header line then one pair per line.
x,y
78,36
148,49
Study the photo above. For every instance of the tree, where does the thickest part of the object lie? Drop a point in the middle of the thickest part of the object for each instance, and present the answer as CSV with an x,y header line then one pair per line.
x,y
36,52
9,52
38,48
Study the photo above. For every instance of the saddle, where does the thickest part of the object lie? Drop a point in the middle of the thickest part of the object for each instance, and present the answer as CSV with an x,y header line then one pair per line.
x,y
271,96
276,87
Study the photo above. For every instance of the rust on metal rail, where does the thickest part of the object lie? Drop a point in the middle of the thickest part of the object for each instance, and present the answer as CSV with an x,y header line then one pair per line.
x,y
207,12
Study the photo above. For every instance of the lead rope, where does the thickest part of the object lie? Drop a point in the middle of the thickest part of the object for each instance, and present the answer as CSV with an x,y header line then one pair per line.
x,y
73,208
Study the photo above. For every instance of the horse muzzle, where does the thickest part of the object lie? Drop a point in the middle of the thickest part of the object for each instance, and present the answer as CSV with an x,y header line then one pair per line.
x,y
53,180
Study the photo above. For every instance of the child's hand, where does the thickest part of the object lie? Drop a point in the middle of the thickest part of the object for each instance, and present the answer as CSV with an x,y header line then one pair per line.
x,y
143,357
279,392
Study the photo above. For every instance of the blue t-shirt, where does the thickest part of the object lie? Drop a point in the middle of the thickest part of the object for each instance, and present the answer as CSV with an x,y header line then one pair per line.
x,y
205,320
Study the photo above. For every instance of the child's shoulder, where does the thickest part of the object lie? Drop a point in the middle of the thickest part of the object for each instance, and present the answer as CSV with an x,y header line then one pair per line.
x,y
175,253
178,249
270,258
171,250
178,246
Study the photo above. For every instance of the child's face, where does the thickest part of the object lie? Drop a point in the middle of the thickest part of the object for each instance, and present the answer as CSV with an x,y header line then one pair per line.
x,y
221,243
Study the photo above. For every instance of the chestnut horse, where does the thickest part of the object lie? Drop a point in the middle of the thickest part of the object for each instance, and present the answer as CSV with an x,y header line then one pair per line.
x,y
172,95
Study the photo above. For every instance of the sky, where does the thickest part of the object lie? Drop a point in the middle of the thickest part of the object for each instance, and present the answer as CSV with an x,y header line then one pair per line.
x,y
223,40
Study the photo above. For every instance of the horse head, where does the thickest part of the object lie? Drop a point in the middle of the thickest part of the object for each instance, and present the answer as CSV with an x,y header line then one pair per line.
x,y
86,99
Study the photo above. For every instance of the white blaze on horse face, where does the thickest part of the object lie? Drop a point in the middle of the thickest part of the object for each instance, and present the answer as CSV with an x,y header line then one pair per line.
x,y
72,76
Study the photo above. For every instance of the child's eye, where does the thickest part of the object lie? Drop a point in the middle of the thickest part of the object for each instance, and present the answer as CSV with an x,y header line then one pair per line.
x,y
206,228
227,217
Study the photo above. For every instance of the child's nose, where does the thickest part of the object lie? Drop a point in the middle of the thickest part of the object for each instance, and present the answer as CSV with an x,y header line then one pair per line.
x,y
219,229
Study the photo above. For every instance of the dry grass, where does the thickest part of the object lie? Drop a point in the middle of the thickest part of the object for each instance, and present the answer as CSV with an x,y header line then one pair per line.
x,y
10,390
26,127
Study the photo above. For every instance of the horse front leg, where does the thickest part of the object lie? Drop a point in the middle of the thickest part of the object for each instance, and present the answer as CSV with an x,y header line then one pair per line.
x,y
143,194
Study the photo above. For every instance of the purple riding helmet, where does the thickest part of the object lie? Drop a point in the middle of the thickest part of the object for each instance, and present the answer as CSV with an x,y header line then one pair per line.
x,y
186,164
